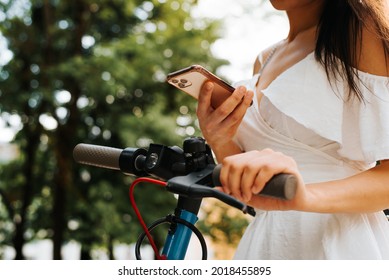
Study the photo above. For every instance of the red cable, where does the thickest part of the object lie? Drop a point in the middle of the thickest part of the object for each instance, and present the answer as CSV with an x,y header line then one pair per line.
x,y
138,215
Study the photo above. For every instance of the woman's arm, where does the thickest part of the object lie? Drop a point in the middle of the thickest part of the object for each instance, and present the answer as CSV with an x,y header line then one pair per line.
x,y
367,191
246,174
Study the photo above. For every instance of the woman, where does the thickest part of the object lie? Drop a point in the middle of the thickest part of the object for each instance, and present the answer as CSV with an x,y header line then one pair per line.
x,y
321,112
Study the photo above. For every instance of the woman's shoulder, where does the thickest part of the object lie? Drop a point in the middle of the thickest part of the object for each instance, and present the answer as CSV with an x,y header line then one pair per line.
x,y
373,58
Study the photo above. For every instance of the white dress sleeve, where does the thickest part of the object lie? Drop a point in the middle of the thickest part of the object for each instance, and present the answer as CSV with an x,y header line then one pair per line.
x,y
366,124
304,93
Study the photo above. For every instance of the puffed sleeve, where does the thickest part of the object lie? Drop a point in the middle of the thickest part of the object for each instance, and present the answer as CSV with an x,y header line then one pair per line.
x,y
365,125
360,127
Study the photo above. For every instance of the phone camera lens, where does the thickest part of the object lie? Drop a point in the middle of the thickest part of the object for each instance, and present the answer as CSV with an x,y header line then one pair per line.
x,y
181,85
184,81
175,81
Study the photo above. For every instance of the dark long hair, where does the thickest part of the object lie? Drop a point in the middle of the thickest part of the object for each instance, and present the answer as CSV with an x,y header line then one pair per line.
x,y
340,33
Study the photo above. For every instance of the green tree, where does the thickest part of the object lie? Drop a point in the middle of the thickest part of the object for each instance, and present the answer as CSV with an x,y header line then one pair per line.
x,y
90,71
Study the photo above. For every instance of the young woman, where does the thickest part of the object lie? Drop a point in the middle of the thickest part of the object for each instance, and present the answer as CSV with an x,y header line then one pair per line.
x,y
321,112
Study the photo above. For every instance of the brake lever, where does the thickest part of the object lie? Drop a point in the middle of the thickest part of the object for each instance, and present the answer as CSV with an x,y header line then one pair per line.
x,y
196,191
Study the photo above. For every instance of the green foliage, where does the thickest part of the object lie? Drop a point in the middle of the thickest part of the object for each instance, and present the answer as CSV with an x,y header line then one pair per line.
x,y
224,225
91,71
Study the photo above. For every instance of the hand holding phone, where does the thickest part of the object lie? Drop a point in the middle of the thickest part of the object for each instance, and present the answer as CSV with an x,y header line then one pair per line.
x,y
192,78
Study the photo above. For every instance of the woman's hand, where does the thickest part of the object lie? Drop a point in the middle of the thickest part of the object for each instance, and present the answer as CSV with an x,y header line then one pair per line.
x,y
219,125
245,175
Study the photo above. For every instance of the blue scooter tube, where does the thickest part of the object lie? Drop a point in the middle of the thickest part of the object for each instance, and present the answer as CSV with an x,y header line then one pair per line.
x,y
177,242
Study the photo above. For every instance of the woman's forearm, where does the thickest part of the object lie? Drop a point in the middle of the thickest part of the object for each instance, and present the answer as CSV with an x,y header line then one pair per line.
x,y
367,191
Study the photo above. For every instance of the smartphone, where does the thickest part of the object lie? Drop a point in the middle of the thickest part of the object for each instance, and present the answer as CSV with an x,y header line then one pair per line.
x,y
192,78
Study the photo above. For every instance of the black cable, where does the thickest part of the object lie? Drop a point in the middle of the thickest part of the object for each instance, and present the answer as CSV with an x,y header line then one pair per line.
x,y
172,220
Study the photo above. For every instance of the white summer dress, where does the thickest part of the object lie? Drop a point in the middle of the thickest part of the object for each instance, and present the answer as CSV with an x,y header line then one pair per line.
x,y
302,115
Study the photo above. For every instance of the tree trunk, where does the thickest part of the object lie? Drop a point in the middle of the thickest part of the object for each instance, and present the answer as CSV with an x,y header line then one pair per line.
x,y
64,144
58,214
85,253
110,248
18,239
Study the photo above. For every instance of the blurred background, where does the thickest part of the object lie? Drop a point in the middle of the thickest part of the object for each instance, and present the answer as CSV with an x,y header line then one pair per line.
x,y
94,72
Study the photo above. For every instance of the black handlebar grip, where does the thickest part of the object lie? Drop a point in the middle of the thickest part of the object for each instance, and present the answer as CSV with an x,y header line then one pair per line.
x,y
281,186
100,156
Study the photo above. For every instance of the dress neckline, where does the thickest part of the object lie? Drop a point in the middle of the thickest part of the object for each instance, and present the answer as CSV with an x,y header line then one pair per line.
x,y
258,75
361,73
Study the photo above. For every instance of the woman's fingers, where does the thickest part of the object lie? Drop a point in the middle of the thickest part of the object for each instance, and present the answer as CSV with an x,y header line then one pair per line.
x,y
246,174
204,101
219,125
236,116
248,179
231,105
